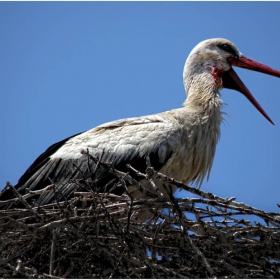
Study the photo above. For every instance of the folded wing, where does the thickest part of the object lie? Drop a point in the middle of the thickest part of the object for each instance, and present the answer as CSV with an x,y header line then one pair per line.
x,y
120,142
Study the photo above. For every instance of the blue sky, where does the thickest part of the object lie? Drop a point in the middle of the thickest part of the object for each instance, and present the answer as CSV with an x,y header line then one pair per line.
x,y
69,66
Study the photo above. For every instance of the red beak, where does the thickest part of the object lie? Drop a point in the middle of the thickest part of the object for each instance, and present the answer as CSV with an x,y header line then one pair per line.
x,y
232,81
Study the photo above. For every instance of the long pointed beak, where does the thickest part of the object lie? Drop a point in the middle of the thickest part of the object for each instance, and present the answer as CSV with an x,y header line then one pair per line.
x,y
247,63
232,81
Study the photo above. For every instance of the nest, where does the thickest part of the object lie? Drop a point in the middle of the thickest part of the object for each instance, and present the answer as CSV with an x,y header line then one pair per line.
x,y
97,235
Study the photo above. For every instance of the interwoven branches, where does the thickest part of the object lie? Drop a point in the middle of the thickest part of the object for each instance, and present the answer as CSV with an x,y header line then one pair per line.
x,y
91,234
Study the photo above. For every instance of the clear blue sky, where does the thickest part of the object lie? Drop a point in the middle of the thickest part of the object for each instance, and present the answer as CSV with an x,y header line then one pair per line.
x,y
68,67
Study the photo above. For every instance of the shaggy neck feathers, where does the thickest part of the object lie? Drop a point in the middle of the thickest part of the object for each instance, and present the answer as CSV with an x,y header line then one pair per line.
x,y
204,117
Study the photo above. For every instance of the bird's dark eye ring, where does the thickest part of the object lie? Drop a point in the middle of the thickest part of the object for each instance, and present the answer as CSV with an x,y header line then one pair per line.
x,y
227,48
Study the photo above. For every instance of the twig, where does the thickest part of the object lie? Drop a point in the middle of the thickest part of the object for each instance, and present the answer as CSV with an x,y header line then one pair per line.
x,y
53,249
25,202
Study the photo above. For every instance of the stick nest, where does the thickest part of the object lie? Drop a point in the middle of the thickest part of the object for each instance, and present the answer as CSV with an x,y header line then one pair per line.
x,y
96,235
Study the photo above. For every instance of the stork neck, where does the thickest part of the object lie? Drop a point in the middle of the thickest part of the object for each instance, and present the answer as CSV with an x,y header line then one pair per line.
x,y
203,94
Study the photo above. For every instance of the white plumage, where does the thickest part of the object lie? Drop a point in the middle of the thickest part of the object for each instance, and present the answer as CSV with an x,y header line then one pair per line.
x,y
181,143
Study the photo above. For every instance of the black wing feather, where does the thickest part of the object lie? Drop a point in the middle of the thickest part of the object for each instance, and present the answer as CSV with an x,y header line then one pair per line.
x,y
44,165
42,159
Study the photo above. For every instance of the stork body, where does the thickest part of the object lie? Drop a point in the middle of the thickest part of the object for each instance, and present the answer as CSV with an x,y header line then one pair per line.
x,y
180,143
168,139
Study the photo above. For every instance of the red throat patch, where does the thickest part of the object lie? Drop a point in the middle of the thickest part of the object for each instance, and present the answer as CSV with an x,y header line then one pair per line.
x,y
217,75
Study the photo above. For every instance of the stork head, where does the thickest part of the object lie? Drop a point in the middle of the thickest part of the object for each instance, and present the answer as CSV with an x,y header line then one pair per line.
x,y
209,67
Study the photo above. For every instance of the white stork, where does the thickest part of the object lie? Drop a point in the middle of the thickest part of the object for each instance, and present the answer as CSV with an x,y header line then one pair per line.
x,y
180,143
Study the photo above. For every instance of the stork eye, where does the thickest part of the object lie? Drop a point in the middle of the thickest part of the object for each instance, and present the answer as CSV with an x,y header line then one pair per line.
x,y
227,48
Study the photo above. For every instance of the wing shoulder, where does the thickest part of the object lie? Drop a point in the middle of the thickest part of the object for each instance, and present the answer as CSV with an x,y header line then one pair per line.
x,y
131,140
128,140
